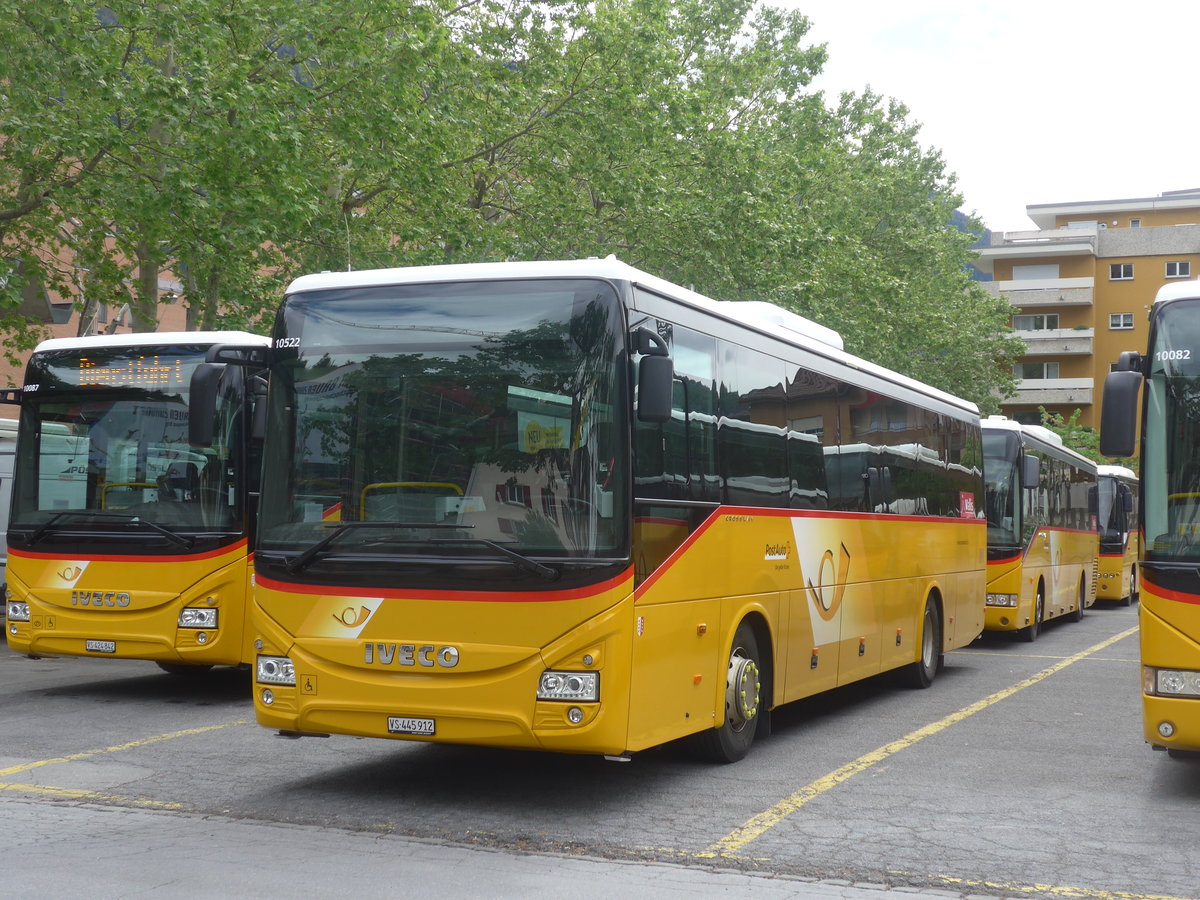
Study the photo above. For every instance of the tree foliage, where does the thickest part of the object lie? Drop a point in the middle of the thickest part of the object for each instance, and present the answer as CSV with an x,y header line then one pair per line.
x,y
233,145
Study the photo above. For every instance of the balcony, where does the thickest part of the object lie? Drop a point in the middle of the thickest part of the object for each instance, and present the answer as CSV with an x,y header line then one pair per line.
x,y
1058,342
1044,292
1043,391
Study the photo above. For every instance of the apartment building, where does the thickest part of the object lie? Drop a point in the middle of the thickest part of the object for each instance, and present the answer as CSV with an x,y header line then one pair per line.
x,y
1080,287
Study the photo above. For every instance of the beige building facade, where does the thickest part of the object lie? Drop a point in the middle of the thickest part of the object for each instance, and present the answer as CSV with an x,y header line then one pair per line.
x,y
1080,287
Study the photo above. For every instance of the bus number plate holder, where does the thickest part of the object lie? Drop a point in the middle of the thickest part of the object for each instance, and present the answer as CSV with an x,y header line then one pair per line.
x,y
409,725
100,646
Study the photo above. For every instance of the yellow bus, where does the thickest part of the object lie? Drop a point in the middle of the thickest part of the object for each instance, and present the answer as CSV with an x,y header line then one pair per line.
x,y
1043,540
1166,379
125,541
570,506
1119,543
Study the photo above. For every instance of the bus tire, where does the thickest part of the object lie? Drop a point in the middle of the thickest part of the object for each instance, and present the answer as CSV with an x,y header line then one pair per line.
x,y
183,671
1132,597
1078,617
921,673
743,701
1030,632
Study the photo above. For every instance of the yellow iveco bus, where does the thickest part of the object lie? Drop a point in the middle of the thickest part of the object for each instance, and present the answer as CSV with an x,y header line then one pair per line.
x,y
1043,543
1166,377
124,540
1119,543
571,506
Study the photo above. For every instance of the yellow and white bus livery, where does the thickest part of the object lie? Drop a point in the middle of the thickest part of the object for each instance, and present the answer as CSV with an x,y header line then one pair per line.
x,y
571,506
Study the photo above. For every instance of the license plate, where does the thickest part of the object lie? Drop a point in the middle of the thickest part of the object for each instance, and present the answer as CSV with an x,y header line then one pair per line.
x,y
101,646
406,725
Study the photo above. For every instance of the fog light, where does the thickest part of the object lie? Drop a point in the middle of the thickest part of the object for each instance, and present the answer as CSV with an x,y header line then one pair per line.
x,y
201,637
274,670
1166,729
579,686
268,696
575,715
12,629
195,617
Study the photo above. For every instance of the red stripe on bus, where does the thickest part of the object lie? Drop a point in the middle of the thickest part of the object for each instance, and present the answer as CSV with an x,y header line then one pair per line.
x,y
1167,594
590,590
129,557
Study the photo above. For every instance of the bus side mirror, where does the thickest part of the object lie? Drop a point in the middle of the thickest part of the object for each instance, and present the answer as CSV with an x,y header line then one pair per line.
x,y
1031,471
202,403
656,376
1118,415
258,408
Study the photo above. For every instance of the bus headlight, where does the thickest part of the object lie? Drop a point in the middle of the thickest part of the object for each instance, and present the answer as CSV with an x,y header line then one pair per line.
x,y
274,670
578,686
1001,600
18,611
194,617
1171,682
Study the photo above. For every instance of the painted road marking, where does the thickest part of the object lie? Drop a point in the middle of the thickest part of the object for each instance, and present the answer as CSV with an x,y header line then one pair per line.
x,y
144,742
768,819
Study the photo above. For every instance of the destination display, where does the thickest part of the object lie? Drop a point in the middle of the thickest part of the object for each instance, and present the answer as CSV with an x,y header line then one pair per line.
x,y
157,369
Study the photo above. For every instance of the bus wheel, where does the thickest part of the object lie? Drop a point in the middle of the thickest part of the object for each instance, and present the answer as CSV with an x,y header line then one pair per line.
x,y
921,672
1078,617
1133,588
183,671
1030,632
743,702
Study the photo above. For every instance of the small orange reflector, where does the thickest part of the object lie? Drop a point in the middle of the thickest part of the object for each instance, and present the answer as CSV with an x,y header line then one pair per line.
x,y
696,679
701,628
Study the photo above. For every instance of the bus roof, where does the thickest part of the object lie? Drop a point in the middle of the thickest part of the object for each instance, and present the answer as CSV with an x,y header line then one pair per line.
x,y
1116,471
152,339
1036,434
765,317
1178,290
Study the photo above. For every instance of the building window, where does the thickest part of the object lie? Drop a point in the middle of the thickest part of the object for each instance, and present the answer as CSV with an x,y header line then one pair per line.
x,y
1135,223
1181,269
1047,322
1120,272
1037,371
1120,321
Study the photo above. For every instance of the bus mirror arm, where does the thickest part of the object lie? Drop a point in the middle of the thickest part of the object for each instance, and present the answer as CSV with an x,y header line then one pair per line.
x,y
254,356
11,395
656,375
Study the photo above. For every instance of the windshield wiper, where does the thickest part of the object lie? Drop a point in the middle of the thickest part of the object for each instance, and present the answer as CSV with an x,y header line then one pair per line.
x,y
301,560
42,530
520,561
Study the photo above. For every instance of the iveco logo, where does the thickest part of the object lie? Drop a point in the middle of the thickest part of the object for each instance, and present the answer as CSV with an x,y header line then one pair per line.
x,y
99,598
426,655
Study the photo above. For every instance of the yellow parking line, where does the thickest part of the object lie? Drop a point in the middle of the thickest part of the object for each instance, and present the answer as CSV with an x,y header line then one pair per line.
x,y
1069,893
144,742
768,819
60,793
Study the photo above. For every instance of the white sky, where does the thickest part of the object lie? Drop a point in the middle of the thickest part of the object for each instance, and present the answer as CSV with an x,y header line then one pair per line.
x,y
1030,101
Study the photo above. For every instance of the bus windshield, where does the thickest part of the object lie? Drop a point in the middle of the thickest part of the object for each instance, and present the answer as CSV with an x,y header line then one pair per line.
x,y
1002,495
104,441
448,421
1171,470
